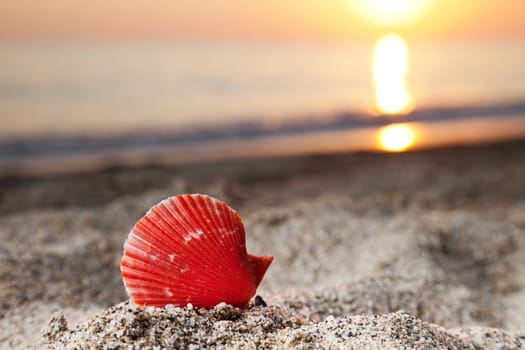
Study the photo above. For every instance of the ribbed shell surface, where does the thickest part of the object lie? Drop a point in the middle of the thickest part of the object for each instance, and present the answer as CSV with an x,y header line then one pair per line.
x,y
189,249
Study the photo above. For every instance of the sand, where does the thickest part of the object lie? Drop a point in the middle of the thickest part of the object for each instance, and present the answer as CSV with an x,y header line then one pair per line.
x,y
420,250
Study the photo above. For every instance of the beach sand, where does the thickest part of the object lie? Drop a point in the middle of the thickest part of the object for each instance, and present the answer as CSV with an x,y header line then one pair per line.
x,y
418,250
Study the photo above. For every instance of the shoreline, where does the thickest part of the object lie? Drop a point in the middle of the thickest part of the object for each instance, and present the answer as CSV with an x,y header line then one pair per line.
x,y
338,133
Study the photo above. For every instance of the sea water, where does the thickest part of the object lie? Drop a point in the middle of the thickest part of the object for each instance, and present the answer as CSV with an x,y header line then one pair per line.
x,y
115,88
128,88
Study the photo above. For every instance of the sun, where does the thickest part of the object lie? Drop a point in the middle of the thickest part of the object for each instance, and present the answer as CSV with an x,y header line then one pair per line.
x,y
389,6
391,11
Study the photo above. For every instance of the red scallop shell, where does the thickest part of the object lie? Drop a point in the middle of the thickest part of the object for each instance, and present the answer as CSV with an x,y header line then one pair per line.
x,y
190,249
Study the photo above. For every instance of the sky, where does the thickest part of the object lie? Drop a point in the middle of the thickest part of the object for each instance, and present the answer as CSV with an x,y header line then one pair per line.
x,y
252,20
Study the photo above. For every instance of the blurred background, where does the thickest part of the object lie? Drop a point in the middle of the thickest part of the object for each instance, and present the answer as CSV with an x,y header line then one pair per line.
x,y
108,83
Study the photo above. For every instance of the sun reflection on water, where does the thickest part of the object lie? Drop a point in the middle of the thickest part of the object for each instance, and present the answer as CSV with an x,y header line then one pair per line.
x,y
390,68
397,137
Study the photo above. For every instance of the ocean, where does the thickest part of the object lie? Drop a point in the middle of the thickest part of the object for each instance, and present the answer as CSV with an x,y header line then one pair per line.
x,y
72,98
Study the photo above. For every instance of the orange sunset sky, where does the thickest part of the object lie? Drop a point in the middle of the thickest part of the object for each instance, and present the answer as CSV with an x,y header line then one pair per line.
x,y
253,19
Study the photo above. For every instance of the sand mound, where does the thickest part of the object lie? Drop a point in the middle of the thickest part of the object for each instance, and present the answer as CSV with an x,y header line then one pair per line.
x,y
259,327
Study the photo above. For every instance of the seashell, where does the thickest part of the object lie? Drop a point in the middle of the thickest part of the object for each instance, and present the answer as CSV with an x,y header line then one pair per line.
x,y
190,248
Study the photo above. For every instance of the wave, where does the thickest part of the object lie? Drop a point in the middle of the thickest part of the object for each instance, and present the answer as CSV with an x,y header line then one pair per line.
x,y
52,145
